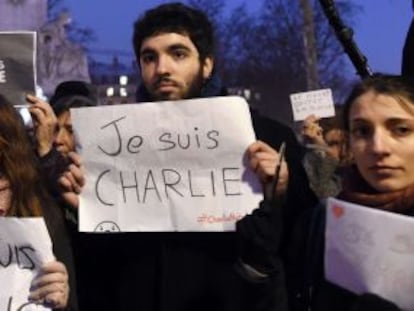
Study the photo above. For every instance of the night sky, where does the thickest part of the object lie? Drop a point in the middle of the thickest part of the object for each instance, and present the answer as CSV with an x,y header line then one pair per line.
x,y
380,26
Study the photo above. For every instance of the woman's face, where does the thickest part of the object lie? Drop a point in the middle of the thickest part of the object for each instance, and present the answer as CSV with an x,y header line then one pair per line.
x,y
382,141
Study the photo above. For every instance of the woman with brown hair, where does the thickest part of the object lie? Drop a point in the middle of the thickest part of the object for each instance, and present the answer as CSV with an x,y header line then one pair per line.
x,y
23,194
378,119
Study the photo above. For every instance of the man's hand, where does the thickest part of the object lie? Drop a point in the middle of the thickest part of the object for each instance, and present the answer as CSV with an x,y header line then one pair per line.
x,y
44,122
263,161
72,181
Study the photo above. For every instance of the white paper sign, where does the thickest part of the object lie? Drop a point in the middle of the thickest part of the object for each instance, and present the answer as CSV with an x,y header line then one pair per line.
x,y
168,166
319,103
25,246
370,251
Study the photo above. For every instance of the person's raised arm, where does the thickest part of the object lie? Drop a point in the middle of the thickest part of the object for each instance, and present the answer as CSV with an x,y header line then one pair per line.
x,y
44,122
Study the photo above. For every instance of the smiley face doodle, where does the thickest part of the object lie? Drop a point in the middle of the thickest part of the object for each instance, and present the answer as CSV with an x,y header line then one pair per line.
x,y
107,226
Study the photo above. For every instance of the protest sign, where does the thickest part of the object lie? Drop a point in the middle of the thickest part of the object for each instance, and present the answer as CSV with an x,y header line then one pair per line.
x,y
17,65
25,246
319,103
364,258
178,166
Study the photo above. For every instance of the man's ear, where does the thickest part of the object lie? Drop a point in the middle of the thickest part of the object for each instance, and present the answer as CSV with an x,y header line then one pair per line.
x,y
208,67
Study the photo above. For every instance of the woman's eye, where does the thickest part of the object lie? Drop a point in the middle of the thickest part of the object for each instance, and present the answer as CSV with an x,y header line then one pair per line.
x,y
402,130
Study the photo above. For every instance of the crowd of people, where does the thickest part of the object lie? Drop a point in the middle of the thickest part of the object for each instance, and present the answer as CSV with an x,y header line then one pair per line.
x,y
274,258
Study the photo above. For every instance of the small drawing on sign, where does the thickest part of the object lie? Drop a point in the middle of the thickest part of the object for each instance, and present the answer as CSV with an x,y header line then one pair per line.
x,y
107,226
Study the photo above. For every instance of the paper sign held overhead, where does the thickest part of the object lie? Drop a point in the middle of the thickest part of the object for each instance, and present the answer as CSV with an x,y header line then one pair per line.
x,y
319,103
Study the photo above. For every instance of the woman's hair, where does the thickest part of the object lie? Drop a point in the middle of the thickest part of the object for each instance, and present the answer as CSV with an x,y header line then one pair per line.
x,y
18,163
399,87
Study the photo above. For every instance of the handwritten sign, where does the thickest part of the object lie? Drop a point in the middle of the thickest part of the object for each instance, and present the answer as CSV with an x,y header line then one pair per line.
x,y
362,256
17,65
25,246
318,103
168,166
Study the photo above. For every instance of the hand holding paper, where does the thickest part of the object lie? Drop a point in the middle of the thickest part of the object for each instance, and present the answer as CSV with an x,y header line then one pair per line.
x,y
51,287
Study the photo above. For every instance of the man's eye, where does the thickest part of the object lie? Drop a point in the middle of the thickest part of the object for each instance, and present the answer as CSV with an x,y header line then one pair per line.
x,y
179,54
332,143
360,131
147,58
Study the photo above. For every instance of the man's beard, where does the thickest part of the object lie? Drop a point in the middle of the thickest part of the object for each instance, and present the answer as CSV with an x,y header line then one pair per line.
x,y
194,89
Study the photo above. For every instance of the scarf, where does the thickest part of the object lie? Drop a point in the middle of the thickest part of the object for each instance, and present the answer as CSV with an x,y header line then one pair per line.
x,y
356,190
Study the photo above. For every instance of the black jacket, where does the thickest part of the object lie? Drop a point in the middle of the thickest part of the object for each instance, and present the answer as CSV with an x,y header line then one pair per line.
x,y
62,248
190,271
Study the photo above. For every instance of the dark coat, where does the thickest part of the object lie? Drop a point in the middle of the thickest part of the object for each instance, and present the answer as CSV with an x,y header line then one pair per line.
x,y
190,271
407,67
62,248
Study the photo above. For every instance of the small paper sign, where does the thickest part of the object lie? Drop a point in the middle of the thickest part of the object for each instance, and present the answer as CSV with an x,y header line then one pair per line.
x,y
319,103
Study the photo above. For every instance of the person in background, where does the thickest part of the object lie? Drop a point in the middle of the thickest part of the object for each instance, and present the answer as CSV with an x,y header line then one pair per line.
x,y
378,121
325,154
24,194
70,94
174,46
53,136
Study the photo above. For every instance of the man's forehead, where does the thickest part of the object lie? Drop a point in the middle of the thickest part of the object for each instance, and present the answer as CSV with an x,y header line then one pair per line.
x,y
165,40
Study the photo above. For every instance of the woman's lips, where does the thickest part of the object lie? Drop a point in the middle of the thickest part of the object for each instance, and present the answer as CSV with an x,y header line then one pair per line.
x,y
383,169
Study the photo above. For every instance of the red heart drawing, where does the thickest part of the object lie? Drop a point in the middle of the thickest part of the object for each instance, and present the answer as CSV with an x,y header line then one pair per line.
x,y
338,211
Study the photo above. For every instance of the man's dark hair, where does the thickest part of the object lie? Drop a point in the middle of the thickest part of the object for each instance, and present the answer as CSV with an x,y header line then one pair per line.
x,y
177,18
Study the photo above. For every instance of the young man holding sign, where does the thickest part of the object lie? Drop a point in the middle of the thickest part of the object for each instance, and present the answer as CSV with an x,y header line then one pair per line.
x,y
203,271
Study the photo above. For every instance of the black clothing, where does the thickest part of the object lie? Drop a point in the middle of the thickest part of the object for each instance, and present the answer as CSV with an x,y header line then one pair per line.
x,y
62,248
192,271
408,52
407,67
52,166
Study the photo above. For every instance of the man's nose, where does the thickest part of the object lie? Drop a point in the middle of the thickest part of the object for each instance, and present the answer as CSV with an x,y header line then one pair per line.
x,y
163,65
59,137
